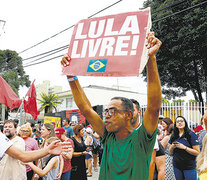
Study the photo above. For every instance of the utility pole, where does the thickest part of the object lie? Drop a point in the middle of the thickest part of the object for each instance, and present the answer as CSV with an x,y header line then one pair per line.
x,y
2,24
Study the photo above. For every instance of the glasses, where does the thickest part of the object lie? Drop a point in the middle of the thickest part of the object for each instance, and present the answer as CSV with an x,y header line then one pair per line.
x,y
24,131
112,111
179,121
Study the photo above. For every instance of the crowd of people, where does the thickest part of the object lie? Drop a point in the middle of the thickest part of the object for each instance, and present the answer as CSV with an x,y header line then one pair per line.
x,y
156,148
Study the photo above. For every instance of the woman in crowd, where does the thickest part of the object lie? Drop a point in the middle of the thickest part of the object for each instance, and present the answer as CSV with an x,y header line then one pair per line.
x,y
25,132
47,131
184,146
78,159
169,174
89,142
51,169
66,172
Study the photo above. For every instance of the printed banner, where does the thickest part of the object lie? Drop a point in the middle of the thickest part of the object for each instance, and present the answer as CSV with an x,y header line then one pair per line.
x,y
112,45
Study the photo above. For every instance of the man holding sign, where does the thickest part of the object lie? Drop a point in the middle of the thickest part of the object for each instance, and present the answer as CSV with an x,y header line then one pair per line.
x,y
127,152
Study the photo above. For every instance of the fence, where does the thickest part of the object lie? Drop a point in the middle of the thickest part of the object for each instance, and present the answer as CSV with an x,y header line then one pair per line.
x,y
191,111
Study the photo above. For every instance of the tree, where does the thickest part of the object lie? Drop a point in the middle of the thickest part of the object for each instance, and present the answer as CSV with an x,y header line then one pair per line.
x,y
48,102
182,58
11,69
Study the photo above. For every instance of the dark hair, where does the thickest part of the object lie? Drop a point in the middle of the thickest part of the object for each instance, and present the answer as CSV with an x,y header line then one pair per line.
x,y
11,121
187,131
136,103
67,119
16,121
126,103
170,129
77,128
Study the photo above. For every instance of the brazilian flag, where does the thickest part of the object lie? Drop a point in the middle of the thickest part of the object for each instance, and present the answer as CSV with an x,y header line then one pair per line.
x,y
97,65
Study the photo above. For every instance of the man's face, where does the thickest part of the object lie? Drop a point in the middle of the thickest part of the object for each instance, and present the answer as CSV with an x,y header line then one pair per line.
x,y
117,121
64,122
9,130
136,114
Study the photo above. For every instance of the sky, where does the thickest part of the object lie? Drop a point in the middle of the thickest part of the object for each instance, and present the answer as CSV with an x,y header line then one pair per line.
x,y
30,22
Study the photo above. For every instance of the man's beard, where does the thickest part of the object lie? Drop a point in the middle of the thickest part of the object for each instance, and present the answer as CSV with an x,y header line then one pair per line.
x,y
9,135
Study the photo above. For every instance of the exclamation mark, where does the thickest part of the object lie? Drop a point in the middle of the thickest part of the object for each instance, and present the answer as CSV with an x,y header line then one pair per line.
x,y
134,45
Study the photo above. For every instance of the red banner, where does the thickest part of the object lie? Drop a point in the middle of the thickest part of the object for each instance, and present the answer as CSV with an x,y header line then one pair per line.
x,y
112,45
8,96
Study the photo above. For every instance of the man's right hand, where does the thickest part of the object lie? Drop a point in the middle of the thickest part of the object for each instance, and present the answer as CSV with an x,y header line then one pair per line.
x,y
65,60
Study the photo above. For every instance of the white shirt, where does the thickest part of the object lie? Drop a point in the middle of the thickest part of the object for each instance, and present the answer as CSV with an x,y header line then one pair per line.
x,y
5,143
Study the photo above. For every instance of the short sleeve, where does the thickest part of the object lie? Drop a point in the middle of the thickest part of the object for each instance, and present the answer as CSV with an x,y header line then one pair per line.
x,y
105,134
194,139
5,143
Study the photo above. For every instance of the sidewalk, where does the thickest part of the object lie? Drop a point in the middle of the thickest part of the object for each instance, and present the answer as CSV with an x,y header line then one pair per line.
x,y
95,174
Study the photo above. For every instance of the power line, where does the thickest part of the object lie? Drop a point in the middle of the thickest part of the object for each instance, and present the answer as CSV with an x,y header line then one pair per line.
x,y
68,28
46,55
44,61
62,47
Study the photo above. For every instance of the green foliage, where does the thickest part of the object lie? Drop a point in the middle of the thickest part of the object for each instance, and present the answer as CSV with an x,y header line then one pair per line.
x,y
165,101
11,69
48,102
182,58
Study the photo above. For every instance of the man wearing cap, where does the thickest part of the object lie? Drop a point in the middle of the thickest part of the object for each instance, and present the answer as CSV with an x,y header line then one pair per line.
x,y
60,133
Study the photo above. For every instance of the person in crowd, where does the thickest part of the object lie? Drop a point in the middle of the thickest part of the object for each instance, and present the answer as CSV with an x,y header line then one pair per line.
x,y
169,174
78,159
185,147
47,131
166,122
202,157
11,168
160,128
66,172
96,151
89,143
136,115
7,147
25,132
17,124
127,152
51,169
67,127
198,129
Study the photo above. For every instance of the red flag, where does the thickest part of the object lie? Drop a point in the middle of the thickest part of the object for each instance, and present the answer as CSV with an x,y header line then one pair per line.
x,y
8,96
30,105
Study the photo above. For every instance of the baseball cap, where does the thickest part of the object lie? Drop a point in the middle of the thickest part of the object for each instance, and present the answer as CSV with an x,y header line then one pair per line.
x,y
59,131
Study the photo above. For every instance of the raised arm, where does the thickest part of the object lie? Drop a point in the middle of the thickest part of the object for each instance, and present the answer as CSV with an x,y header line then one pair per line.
x,y
150,119
83,103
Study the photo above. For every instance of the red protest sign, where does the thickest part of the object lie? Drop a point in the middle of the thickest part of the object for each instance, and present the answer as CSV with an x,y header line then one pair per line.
x,y
112,45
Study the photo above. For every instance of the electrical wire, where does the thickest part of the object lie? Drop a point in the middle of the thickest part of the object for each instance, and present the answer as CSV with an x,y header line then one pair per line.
x,y
186,9
67,28
62,47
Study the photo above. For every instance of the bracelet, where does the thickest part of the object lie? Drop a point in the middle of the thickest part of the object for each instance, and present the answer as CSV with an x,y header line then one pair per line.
x,y
72,79
186,148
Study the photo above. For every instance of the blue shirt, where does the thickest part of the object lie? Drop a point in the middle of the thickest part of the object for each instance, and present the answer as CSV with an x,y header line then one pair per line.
x,y
69,131
182,159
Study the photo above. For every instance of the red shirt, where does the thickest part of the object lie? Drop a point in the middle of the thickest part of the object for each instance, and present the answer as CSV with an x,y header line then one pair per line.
x,y
198,128
67,162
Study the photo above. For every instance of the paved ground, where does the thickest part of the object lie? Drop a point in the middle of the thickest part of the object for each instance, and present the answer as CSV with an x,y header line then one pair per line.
x,y
95,175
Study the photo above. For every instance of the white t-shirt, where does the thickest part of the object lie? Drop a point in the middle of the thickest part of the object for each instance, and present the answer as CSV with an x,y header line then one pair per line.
x,y
5,143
